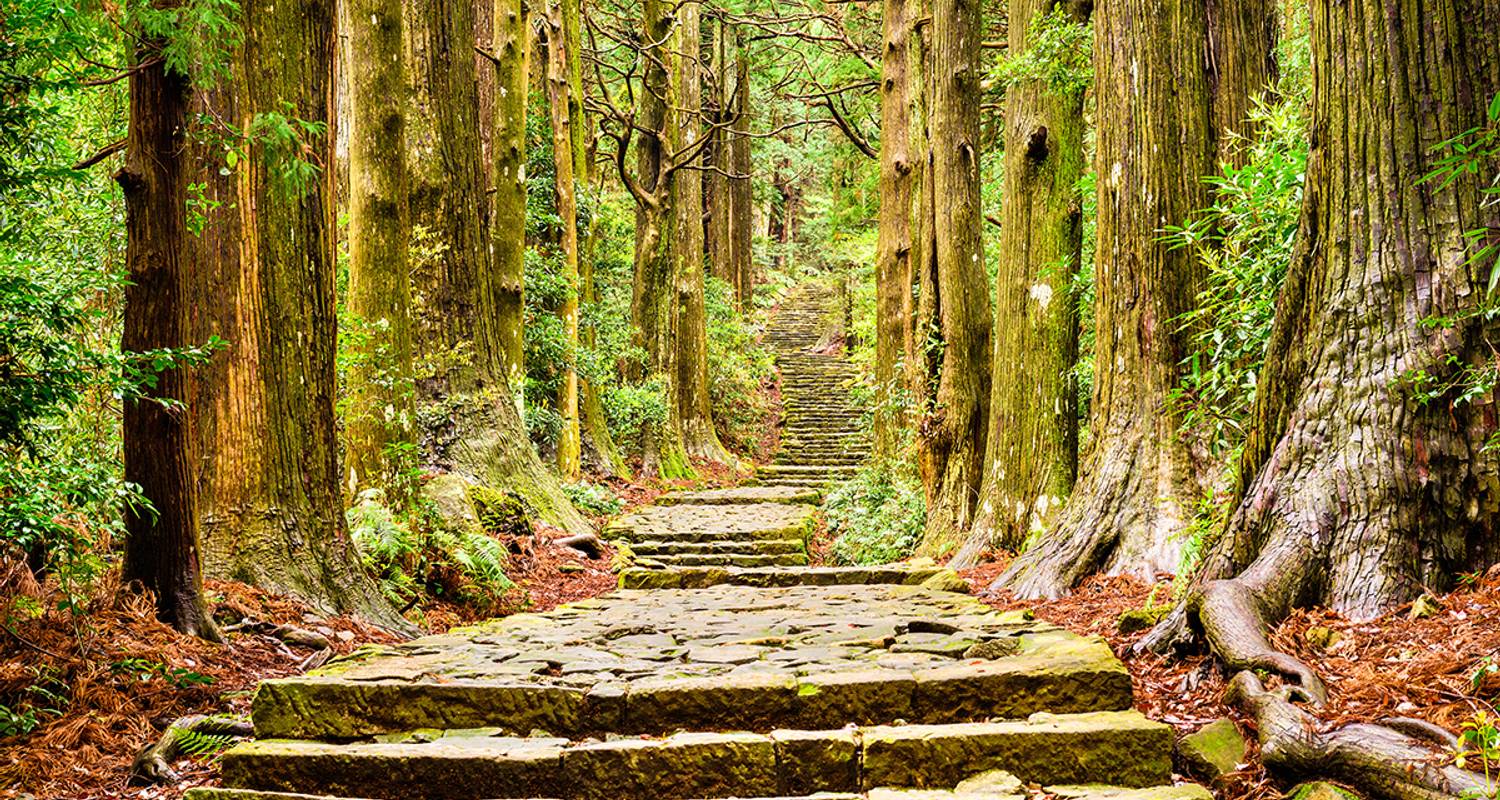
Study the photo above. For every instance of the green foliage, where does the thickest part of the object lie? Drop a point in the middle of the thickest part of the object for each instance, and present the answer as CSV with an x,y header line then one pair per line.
x,y
145,669
196,38
287,143
1474,153
1244,242
594,499
199,744
738,368
44,697
877,516
1479,741
632,409
1059,54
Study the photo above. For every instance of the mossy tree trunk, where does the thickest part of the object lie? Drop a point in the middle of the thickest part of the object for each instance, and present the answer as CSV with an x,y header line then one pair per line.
x,y
507,169
894,245
741,197
380,406
560,110
954,423
1138,481
262,278
1031,456
460,328
654,306
695,408
162,542
719,206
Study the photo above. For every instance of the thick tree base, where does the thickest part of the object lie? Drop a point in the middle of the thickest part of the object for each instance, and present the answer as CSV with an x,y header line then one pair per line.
x,y
1398,760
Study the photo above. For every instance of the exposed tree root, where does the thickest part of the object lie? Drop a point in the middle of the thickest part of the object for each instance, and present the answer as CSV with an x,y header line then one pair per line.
x,y
1234,621
153,765
587,543
1378,760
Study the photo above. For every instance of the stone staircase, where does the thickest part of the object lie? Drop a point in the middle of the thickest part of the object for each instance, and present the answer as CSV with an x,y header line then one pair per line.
x,y
722,668
823,439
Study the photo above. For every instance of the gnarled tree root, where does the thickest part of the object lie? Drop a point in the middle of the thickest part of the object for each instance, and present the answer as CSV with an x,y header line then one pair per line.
x,y
153,765
1235,619
1377,760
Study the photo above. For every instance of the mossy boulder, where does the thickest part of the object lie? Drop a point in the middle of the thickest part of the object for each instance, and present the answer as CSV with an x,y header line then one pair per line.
x,y
1320,790
1214,750
501,513
946,581
1139,619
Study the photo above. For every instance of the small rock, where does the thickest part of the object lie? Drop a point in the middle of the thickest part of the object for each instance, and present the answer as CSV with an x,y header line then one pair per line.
x,y
1425,606
1140,619
1214,750
946,581
345,636
996,781
569,568
1320,790
1322,638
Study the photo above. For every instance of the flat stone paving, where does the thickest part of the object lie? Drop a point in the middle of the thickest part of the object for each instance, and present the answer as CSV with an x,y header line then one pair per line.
x,y
708,522
742,495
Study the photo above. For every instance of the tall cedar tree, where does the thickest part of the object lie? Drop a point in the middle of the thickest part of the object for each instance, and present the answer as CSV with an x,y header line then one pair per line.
x,y
507,173
381,405
261,277
1139,481
893,245
699,436
956,411
161,547
1031,457
741,197
459,327
560,109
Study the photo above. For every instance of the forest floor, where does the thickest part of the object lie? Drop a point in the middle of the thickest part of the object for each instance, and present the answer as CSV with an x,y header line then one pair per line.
x,y
128,676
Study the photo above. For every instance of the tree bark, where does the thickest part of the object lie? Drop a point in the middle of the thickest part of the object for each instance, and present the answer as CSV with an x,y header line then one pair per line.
x,y
1138,482
262,279
719,206
951,449
1242,57
161,545
695,408
560,109
381,396
741,198
508,175
1358,491
893,246
654,304
1031,458
460,327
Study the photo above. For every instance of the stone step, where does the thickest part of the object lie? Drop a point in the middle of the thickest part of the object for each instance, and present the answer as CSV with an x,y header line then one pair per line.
x,y
731,559
741,495
657,547
815,471
705,523
1121,748
1187,791
893,574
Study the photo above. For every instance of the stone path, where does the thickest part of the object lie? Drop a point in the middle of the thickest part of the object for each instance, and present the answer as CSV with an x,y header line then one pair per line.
x,y
722,668
823,438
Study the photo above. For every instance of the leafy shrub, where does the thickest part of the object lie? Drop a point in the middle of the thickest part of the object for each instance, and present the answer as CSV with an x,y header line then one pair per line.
x,y
1245,243
877,516
632,408
593,498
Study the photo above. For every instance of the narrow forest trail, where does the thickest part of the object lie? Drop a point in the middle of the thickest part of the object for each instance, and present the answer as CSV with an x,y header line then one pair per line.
x,y
724,667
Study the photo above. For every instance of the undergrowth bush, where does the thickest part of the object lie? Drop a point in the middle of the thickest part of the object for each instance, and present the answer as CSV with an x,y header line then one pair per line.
x,y
594,499
414,555
737,368
877,517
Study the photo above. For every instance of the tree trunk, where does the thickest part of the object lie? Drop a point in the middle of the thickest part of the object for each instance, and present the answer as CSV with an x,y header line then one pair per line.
x,y
1242,43
698,434
954,425
461,329
380,406
508,175
893,247
599,446
1031,457
741,197
1138,482
654,307
161,547
560,107
1366,477
720,207
262,279
915,311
